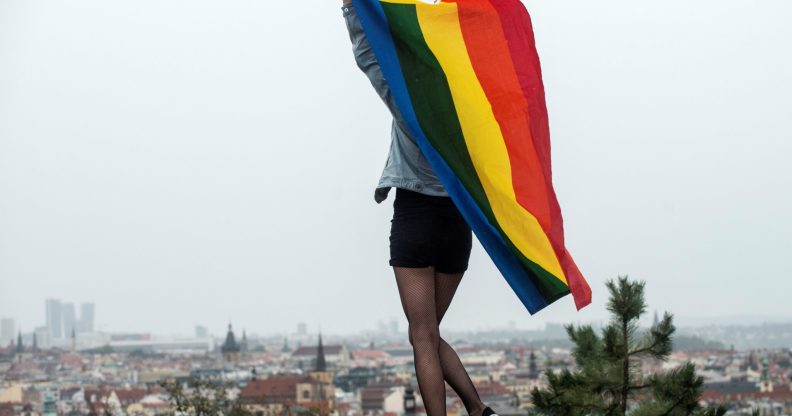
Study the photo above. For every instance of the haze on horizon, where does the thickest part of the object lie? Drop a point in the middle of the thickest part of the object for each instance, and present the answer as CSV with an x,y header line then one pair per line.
x,y
190,163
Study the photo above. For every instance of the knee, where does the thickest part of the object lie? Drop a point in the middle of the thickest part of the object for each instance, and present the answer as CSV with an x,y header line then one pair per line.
x,y
423,334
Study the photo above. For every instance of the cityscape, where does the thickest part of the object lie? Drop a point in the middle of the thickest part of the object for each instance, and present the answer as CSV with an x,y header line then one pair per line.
x,y
66,367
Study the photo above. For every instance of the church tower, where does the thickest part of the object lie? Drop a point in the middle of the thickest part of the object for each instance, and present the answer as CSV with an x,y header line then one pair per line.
x,y
20,348
243,346
766,382
230,348
533,371
321,364
323,379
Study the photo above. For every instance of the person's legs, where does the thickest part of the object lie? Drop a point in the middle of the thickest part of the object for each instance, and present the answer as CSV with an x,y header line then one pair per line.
x,y
417,293
453,370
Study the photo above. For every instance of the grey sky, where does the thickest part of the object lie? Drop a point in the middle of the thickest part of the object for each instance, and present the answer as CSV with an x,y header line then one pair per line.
x,y
191,162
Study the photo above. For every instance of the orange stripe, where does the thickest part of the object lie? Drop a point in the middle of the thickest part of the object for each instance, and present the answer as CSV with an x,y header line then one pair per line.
x,y
483,137
491,59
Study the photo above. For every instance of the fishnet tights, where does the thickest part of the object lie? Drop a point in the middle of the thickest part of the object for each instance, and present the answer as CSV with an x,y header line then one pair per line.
x,y
425,296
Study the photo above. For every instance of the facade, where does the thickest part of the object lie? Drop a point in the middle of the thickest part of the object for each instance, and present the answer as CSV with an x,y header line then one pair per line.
x,y
201,332
290,393
54,318
69,319
335,356
87,316
7,331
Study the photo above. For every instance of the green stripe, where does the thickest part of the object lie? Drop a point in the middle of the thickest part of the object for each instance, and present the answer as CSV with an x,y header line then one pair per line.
x,y
434,106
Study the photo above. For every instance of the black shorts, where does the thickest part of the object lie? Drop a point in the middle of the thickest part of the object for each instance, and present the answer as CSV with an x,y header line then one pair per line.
x,y
428,231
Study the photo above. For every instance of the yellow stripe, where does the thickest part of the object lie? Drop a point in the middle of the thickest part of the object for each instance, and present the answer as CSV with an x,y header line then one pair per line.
x,y
400,1
443,34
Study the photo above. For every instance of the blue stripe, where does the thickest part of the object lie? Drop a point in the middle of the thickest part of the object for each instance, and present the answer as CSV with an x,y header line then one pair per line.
x,y
375,24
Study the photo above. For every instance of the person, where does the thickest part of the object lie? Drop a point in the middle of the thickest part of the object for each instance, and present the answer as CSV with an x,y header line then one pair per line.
x,y
430,245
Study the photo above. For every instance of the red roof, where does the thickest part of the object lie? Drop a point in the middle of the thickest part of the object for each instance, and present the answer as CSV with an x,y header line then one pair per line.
x,y
780,394
71,360
492,389
273,389
370,354
129,396
7,409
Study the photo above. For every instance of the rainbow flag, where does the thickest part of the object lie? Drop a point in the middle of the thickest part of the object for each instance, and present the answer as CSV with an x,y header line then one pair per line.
x,y
467,81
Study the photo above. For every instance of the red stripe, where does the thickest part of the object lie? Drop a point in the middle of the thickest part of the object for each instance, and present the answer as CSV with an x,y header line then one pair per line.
x,y
518,31
490,56
501,46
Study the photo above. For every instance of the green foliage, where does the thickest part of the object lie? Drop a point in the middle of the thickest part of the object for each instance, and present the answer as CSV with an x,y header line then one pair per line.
x,y
201,398
608,380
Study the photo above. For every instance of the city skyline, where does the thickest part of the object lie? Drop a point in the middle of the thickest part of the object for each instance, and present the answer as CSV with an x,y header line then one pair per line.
x,y
392,324
183,178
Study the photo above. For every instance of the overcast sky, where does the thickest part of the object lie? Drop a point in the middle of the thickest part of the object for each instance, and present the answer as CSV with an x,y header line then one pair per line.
x,y
195,162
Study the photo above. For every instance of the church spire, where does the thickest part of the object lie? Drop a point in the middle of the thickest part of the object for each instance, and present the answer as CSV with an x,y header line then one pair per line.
x,y
321,364
533,371
230,348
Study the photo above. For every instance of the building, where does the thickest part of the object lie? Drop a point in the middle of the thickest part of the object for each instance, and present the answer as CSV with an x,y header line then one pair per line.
x,y
230,348
54,318
271,395
291,393
335,356
87,316
42,335
321,389
147,343
201,332
243,345
388,398
69,317
7,331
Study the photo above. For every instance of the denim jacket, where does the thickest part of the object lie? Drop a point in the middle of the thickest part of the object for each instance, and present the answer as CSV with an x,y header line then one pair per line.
x,y
406,166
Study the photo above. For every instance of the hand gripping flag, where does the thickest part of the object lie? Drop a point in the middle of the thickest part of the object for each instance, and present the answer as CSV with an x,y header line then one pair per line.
x,y
466,78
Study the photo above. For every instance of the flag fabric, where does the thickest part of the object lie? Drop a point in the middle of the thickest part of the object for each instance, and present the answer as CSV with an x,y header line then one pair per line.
x,y
467,81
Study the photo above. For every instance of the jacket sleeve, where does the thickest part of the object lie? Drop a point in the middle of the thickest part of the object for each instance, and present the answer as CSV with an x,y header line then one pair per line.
x,y
367,62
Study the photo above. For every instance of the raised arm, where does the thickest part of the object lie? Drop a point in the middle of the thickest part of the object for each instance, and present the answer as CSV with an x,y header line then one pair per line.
x,y
366,61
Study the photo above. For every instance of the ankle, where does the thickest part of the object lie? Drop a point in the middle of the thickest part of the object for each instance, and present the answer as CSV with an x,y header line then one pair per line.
x,y
478,410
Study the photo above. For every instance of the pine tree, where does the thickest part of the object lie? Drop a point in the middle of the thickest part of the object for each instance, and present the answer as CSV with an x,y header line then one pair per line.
x,y
608,380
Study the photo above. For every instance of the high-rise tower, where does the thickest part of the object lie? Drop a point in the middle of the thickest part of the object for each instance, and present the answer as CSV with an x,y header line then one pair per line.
x,y
87,315
54,318
69,318
7,331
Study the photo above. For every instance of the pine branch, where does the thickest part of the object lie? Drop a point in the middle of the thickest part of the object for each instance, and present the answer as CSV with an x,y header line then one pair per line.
x,y
660,345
